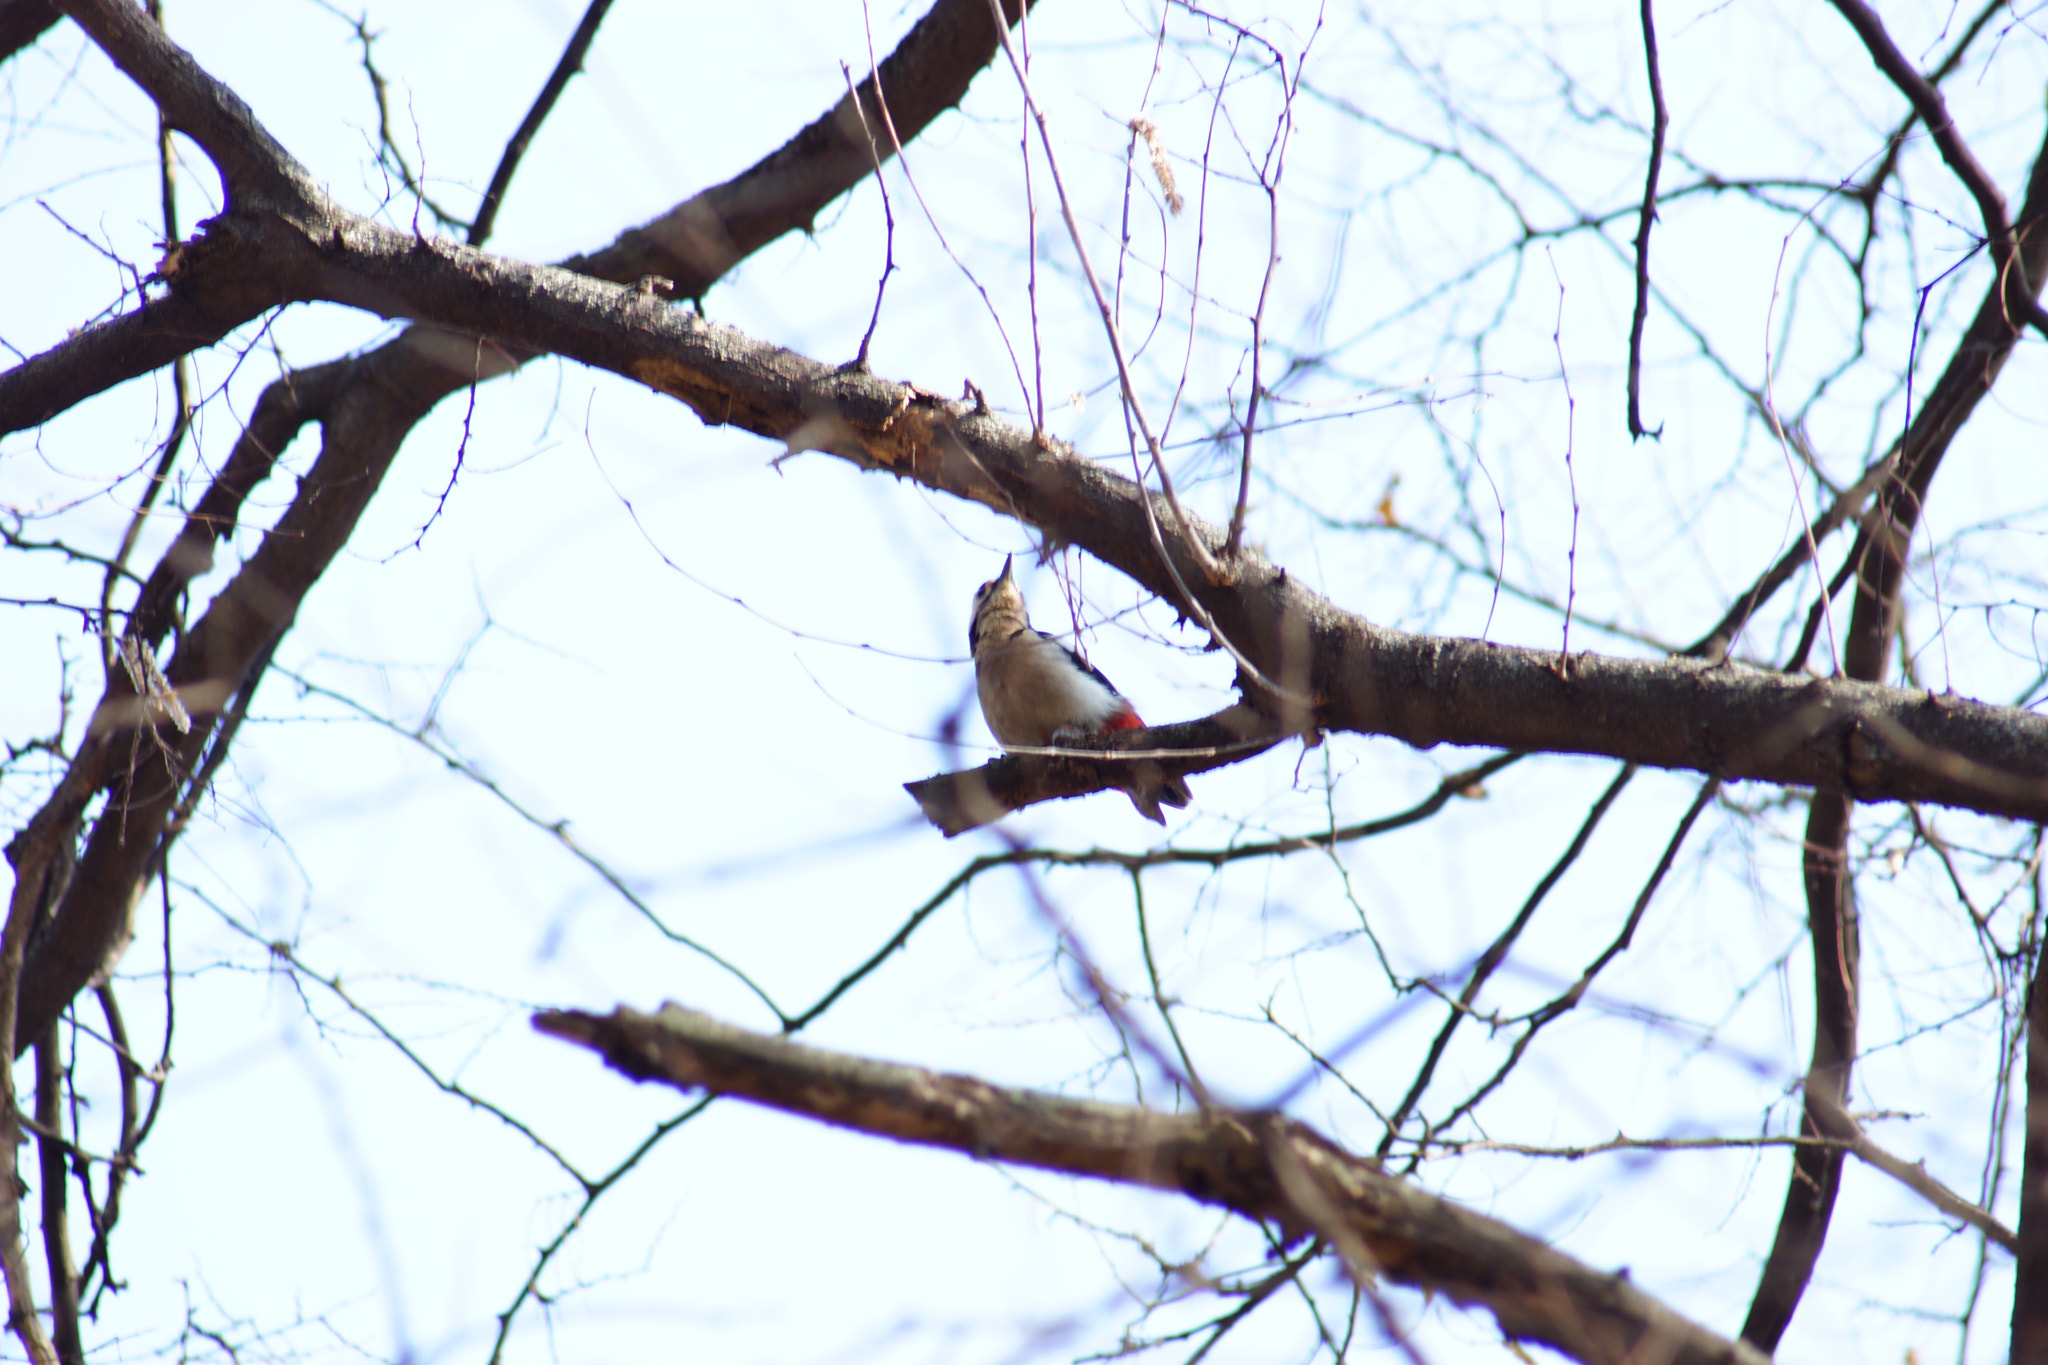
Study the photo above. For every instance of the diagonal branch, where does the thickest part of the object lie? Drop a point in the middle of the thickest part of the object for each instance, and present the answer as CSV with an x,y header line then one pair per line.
x,y
1741,723
365,406
1261,1166
1659,124
1933,110
1838,1124
256,172
569,65
2030,1279
22,22
1879,557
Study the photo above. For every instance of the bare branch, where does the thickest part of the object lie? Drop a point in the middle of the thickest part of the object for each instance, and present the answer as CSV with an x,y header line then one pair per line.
x,y
696,242
22,22
1660,121
1715,644
2017,286
257,174
1838,1124
1497,951
1816,1176
543,104
51,1150
366,405
38,882
1215,1156
2030,1286
958,802
1745,724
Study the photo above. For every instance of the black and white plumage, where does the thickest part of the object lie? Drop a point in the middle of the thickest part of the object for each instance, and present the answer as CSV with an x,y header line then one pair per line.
x,y
1037,693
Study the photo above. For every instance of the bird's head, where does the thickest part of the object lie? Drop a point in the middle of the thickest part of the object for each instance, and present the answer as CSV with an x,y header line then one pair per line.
x,y
994,600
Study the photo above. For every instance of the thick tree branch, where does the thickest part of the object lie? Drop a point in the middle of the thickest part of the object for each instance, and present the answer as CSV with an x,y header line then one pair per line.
x,y
22,22
1362,678
257,174
36,887
696,242
366,406
1868,742
1246,1162
220,280
51,1153
216,284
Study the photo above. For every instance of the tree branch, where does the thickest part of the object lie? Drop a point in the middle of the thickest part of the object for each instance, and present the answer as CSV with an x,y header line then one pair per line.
x,y
1879,557
366,406
696,242
36,887
1838,1124
1660,122
569,65
257,173
1244,1162
2030,1285
1741,723
958,802
1933,110
51,1150
22,22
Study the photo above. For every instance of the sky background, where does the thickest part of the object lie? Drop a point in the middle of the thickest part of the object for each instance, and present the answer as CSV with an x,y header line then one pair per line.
x,y
719,673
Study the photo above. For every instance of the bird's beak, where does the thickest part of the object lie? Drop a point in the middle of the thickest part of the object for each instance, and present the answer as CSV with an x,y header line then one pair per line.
x,y
1005,575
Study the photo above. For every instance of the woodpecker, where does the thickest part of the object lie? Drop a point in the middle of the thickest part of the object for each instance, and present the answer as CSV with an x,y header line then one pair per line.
x,y
1037,693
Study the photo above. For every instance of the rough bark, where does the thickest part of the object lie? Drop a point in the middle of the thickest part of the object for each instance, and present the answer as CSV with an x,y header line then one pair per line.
x,y
1261,1166
277,242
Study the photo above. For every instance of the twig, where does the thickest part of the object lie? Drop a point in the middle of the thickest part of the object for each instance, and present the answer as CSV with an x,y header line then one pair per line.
x,y
181,393
1792,473
1277,160
1540,1018
1716,643
1835,1122
558,829
860,359
543,104
1497,951
593,1191
2018,290
1660,120
1159,997
1214,572
1571,478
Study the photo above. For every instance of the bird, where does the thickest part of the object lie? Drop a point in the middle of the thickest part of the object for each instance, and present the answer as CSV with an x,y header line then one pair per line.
x,y
1035,692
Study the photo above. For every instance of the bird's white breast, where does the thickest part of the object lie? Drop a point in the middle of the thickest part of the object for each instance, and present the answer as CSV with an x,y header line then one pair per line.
x,y
1030,689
